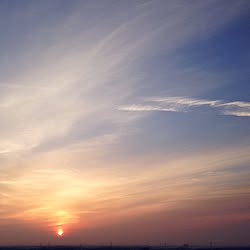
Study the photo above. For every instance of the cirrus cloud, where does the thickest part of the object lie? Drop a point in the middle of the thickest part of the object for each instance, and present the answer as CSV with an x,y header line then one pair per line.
x,y
186,104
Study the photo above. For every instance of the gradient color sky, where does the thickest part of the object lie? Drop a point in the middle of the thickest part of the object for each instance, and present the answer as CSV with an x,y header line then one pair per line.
x,y
125,121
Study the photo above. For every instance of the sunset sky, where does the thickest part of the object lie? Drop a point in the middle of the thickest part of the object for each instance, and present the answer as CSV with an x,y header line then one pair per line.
x,y
125,121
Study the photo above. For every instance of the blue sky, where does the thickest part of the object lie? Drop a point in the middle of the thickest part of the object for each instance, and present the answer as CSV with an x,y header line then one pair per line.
x,y
124,116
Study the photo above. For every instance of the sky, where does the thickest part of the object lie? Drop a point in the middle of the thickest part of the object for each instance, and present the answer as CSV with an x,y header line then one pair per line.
x,y
125,121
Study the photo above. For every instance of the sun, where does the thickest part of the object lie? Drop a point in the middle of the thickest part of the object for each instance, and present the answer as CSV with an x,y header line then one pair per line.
x,y
60,232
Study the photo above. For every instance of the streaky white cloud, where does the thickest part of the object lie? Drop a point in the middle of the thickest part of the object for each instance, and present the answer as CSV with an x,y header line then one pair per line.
x,y
236,108
237,104
184,104
236,113
146,108
186,101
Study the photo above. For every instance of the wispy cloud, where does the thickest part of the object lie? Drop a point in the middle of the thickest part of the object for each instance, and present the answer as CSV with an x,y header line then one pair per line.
x,y
186,104
139,107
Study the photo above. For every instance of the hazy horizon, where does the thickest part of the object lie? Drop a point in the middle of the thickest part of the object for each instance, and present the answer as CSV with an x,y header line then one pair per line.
x,y
125,121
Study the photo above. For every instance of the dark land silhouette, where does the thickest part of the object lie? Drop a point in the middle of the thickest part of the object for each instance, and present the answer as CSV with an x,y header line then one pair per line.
x,y
80,247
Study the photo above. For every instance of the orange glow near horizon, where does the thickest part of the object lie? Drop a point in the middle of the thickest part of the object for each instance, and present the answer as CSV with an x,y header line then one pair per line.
x,y
60,232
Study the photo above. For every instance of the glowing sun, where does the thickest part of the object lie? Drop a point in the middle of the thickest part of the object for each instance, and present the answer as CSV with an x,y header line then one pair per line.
x,y
60,232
